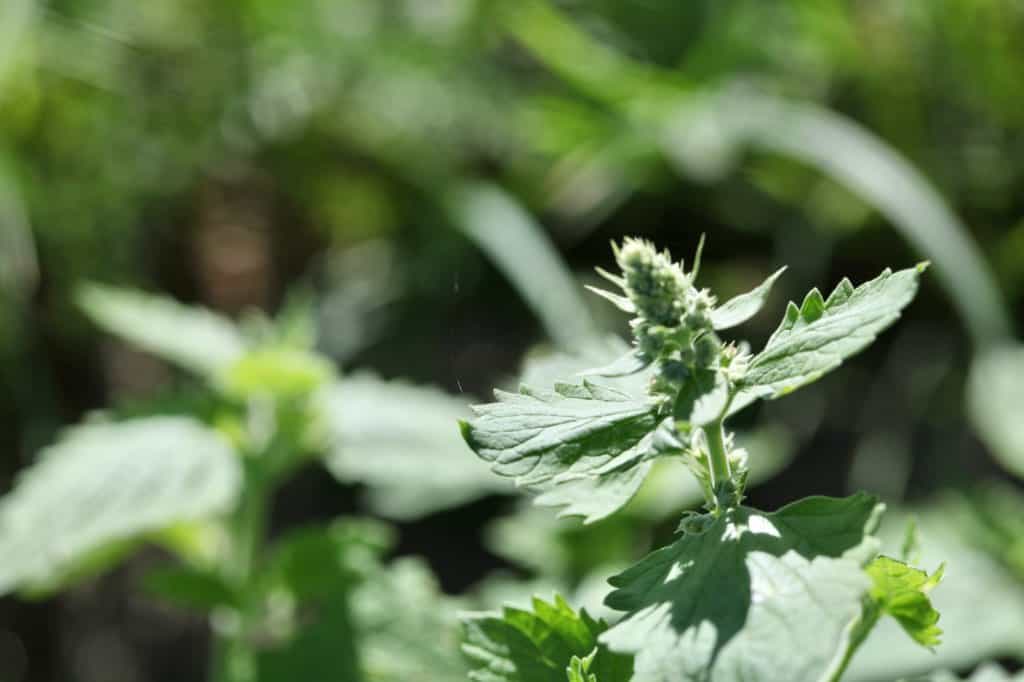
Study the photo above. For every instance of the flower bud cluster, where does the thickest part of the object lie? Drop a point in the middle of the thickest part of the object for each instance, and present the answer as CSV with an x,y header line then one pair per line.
x,y
672,326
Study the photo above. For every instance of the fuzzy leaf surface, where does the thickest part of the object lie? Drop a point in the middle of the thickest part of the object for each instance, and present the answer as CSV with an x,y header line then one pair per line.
x,y
402,442
108,483
741,308
547,439
757,597
541,645
817,336
192,338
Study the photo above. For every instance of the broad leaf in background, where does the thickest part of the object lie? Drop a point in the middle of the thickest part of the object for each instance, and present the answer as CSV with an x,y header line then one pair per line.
x,y
540,645
309,630
816,337
986,673
402,441
981,603
996,402
548,439
193,338
757,597
108,483
741,308
408,629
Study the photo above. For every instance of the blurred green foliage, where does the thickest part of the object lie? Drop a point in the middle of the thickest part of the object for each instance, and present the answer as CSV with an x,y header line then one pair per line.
x,y
382,152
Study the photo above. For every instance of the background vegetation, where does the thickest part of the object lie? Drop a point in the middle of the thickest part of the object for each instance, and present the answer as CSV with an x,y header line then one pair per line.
x,y
442,176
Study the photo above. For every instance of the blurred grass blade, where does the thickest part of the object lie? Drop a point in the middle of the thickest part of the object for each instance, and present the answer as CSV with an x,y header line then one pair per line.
x,y
995,397
704,133
503,229
105,484
193,338
19,267
15,20
865,164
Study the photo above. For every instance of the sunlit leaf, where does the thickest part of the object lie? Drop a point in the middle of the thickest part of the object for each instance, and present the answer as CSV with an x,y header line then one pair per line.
x,y
107,483
545,439
540,645
756,597
817,336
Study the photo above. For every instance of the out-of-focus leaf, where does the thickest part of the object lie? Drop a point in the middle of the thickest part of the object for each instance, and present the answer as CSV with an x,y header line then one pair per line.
x,y
107,483
520,248
278,372
190,588
539,645
981,603
996,403
193,338
986,673
408,629
308,585
402,441
756,597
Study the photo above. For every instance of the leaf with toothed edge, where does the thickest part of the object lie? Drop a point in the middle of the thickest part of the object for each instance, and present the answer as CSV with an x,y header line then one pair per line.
x,y
579,437
816,337
741,308
757,597
544,644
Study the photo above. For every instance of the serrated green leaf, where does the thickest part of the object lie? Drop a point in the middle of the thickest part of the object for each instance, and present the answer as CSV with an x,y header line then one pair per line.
x,y
579,670
402,441
193,338
741,308
757,597
979,623
107,483
545,439
901,591
816,337
539,645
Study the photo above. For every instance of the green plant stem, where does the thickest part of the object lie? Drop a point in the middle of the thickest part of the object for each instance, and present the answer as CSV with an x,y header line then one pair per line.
x,y
860,633
719,460
234,659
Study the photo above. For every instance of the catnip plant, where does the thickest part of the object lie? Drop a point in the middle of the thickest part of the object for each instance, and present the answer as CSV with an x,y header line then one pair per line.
x,y
742,595
195,473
